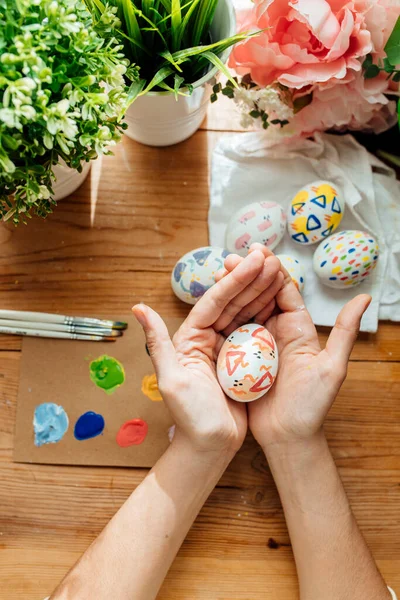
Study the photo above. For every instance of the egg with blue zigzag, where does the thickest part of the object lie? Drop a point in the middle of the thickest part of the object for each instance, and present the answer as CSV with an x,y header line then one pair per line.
x,y
315,213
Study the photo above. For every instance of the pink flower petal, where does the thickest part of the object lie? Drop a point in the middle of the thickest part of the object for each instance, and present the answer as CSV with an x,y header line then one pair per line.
x,y
301,75
319,16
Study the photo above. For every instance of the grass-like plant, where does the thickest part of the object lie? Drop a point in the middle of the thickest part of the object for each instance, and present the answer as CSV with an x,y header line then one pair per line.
x,y
168,40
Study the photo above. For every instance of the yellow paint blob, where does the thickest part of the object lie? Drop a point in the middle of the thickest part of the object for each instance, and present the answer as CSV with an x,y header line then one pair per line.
x,y
336,270
150,388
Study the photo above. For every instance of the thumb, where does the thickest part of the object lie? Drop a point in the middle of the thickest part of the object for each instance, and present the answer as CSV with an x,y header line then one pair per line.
x,y
344,335
159,344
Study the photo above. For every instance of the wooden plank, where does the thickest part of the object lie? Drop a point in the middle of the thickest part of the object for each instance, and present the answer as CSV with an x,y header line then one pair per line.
x,y
47,521
33,574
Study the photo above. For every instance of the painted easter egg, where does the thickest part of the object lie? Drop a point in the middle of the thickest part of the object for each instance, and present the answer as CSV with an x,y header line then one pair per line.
x,y
346,258
315,213
262,222
195,272
295,269
248,363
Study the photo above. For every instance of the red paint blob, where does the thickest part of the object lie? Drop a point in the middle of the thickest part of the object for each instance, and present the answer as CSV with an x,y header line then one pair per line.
x,y
132,433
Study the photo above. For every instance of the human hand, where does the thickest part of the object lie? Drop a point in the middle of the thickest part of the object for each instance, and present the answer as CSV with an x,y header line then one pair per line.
x,y
186,367
309,378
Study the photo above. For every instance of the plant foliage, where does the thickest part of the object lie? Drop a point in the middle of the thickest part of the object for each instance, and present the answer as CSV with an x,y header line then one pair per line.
x,y
53,103
169,40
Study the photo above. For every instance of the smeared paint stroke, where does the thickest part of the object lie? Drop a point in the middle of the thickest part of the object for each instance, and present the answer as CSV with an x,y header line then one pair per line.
x,y
50,423
132,433
89,425
107,373
150,388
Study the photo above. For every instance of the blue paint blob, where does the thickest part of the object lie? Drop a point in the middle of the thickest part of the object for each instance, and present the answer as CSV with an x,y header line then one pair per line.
x,y
323,263
332,278
50,423
352,250
89,425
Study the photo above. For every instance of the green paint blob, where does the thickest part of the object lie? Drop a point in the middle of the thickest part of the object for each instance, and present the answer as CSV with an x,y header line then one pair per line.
x,y
107,373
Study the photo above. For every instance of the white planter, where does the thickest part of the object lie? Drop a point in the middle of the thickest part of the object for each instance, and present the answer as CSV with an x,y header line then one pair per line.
x,y
68,180
158,119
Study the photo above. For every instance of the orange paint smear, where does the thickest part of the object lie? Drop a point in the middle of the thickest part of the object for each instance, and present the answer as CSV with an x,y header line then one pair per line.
x,y
132,433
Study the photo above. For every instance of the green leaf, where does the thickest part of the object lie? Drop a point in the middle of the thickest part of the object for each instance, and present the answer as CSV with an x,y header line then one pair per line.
x,y
392,47
396,77
217,62
255,114
372,71
161,74
176,19
387,66
390,157
228,91
132,25
134,91
368,61
178,81
302,102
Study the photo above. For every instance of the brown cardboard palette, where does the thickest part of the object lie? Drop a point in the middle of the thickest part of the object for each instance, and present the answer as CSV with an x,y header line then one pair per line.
x,y
58,371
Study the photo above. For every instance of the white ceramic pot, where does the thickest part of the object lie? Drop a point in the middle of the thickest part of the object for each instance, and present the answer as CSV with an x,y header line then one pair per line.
x,y
68,180
158,118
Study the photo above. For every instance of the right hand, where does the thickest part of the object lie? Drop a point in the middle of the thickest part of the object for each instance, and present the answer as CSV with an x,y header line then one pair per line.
x,y
309,378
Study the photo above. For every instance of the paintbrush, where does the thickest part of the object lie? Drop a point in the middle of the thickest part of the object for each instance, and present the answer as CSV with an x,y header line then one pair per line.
x,y
20,315
62,335
60,327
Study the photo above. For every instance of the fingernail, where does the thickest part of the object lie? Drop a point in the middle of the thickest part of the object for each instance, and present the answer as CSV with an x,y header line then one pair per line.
x,y
139,314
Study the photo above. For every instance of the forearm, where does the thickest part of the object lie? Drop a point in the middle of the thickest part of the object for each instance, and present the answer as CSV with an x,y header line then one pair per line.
x,y
131,557
332,558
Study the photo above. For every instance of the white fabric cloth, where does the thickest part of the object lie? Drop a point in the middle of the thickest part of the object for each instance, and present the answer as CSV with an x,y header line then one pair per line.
x,y
245,169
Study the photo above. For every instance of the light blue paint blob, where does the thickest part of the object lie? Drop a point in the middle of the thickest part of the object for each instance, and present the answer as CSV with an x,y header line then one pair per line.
x,y
50,423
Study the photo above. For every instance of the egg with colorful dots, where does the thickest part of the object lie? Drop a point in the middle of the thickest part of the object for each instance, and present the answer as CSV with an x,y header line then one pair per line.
x,y
315,213
295,269
262,222
346,259
194,273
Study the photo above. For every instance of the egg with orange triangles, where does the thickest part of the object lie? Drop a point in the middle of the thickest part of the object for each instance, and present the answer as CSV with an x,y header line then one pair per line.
x,y
247,364
315,212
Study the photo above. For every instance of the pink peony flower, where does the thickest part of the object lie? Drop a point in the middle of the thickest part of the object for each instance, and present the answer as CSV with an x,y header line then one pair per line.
x,y
358,105
317,43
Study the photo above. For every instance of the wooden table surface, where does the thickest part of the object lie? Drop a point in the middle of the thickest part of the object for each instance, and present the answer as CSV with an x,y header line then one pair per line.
x,y
111,245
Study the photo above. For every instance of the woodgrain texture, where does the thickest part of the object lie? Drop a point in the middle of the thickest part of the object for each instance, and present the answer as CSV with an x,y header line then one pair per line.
x,y
113,244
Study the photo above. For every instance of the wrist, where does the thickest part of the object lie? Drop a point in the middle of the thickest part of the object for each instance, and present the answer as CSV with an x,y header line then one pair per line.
x,y
307,478
296,450
200,456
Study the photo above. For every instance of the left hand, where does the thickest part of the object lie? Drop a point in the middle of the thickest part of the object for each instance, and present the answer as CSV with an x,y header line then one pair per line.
x,y
186,368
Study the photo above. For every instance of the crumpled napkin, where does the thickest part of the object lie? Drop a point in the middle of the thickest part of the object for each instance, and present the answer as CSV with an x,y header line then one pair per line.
x,y
246,169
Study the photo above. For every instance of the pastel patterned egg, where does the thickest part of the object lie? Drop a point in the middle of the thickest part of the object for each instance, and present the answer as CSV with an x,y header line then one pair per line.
x,y
262,222
247,364
346,259
195,272
295,269
315,213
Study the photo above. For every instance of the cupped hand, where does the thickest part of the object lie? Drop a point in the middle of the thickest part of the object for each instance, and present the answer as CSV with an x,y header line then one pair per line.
x,y
186,367
309,378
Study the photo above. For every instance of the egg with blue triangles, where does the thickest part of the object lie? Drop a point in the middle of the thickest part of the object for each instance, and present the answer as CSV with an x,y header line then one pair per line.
x,y
315,213
195,272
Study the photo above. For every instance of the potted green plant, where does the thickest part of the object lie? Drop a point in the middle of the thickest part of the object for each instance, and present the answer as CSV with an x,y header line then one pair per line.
x,y
179,47
62,97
